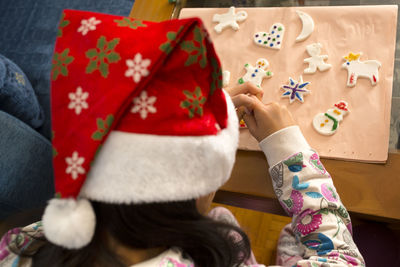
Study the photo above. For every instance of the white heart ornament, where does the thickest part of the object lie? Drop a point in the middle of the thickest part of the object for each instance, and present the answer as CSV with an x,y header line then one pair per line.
x,y
272,39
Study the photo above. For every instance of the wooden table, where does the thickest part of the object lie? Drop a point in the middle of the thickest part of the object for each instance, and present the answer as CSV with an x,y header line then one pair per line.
x,y
371,190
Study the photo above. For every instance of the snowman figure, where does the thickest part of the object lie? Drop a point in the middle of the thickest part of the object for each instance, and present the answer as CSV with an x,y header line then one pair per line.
x,y
327,123
256,74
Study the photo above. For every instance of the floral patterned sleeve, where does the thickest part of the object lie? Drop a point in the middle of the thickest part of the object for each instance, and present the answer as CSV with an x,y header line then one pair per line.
x,y
321,224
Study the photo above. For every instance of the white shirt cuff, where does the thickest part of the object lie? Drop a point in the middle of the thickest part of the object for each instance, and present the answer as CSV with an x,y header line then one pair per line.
x,y
283,144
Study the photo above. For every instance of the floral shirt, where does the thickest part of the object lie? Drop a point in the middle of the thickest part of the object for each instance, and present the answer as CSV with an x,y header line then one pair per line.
x,y
19,240
320,233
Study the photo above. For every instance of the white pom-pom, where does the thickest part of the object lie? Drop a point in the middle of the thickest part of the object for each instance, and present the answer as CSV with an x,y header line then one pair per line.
x,y
69,223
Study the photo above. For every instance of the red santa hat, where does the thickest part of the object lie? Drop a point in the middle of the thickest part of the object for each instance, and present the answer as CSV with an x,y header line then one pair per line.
x,y
138,115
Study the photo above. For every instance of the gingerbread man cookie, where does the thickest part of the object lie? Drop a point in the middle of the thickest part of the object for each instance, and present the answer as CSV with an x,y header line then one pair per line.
x,y
316,61
256,74
229,19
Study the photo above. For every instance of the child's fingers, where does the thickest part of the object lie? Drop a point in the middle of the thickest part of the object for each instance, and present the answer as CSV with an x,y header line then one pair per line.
x,y
243,101
246,88
246,106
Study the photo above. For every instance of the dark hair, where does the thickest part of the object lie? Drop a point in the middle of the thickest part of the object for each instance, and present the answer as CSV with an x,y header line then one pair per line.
x,y
174,224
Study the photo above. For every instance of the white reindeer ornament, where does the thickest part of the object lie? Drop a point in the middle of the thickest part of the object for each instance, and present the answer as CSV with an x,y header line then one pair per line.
x,y
356,68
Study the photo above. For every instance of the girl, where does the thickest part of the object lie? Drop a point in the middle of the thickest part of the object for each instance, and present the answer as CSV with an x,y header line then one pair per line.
x,y
143,137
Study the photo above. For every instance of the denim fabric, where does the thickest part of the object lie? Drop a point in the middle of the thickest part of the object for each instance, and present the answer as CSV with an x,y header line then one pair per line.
x,y
28,30
26,173
17,96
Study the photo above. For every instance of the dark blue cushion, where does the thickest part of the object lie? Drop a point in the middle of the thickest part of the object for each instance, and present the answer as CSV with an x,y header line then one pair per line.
x,y
28,30
26,173
17,97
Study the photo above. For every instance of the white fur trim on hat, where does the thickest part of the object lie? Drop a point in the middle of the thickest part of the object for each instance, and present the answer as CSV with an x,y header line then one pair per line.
x,y
143,168
69,223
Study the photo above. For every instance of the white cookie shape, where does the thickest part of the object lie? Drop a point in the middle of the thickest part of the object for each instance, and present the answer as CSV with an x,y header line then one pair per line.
x,y
226,77
229,19
272,39
328,123
308,26
356,68
316,61
256,74
295,90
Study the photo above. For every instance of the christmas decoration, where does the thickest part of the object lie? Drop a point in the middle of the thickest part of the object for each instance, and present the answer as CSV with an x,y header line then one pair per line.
x,y
328,123
308,26
356,68
295,90
138,116
229,18
272,39
256,74
315,61
226,77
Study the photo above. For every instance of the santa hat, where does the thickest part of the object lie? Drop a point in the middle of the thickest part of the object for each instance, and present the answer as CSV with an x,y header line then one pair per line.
x,y
138,116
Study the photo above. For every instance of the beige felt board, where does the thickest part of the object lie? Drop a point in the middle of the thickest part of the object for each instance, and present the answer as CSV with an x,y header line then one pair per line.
x,y
363,135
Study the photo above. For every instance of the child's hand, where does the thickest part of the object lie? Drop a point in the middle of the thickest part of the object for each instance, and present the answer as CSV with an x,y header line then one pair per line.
x,y
238,92
263,120
245,88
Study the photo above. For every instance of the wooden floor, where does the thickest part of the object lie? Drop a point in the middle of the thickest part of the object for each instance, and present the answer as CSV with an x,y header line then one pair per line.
x,y
263,230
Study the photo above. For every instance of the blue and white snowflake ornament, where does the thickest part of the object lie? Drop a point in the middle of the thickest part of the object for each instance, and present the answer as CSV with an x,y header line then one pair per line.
x,y
295,90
